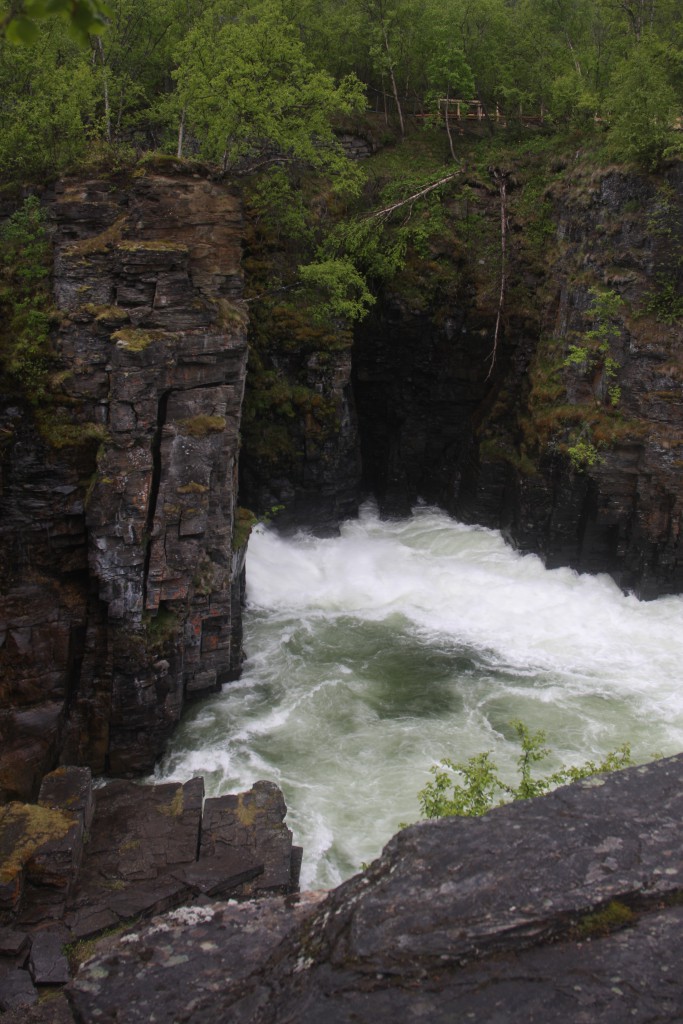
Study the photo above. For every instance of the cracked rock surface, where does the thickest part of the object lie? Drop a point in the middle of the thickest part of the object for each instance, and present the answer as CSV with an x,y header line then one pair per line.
x,y
563,908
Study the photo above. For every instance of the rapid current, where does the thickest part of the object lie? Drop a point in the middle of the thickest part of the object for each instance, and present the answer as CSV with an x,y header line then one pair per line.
x,y
372,655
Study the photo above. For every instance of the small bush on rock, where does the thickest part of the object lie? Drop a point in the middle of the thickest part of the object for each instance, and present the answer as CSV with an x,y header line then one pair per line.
x,y
473,787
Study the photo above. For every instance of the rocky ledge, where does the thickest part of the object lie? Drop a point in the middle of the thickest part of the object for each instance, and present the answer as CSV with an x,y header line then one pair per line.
x,y
563,908
84,862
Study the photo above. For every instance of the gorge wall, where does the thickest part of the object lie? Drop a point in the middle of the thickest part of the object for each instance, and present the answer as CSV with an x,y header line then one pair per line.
x,y
121,549
570,440
121,584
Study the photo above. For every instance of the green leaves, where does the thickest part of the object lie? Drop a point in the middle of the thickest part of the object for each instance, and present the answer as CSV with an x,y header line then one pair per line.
x,y
84,17
24,300
473,787
252,96
644,103
346,294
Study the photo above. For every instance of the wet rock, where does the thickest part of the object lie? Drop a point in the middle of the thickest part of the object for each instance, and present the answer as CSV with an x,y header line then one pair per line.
x,y
217,946
17,990
14,945
39,847
253,822
561,908
488,440
69,788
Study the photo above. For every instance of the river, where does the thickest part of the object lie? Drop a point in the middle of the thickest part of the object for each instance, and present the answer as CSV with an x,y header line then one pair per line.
x,y
373,654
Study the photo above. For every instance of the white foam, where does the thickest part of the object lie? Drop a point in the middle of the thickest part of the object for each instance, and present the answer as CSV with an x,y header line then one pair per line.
x,y
374,654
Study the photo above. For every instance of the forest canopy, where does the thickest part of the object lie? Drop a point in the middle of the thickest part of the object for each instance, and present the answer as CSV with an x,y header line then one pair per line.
x,y
245,82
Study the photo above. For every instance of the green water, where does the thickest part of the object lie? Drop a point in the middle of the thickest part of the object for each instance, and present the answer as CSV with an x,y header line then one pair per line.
x,y
372,655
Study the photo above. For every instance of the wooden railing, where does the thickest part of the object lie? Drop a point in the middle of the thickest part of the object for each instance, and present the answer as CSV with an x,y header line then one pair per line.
x,y
474,110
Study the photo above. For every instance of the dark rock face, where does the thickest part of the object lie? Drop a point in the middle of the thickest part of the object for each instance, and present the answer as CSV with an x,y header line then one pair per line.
x,y
490,442
121,591
560,908
317,483
84,861
419,388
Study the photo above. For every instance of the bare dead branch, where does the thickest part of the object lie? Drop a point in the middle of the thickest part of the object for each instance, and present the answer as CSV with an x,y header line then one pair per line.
x,y
501,180
411,199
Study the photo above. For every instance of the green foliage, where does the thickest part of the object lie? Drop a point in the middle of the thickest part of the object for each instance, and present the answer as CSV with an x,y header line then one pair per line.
x,y
47,101
375,247
583,454
473,787
666,303
252,96
83,17
345,292
644,103
593,352
247,82
25,255
594,348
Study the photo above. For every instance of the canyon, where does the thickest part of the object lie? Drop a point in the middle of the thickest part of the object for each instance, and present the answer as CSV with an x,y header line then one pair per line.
x,y
122,544
121,547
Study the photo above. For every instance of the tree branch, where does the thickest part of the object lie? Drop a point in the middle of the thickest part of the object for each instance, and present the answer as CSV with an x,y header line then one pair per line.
x,y
501,180
411,199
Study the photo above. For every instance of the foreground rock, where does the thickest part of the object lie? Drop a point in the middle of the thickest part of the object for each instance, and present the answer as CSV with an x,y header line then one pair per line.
x,y
565,908
146,850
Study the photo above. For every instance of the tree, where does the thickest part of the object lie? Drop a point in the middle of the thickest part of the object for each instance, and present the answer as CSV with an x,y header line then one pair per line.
x,y
25,259
133,61
252,97
47,101
643,104
19,23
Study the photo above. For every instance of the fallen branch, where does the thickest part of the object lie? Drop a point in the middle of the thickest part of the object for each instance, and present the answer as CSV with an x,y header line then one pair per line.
x,y
500,178
411,199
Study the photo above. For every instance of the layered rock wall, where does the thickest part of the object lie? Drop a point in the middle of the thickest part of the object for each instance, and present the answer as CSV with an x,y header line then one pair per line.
x,y
121,589
486,428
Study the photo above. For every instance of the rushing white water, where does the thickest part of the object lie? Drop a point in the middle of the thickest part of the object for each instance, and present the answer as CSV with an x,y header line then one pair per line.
x,y
375,654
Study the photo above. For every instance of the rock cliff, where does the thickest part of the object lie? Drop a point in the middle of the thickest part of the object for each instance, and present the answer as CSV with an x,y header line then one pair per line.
x,y
570,438
121,584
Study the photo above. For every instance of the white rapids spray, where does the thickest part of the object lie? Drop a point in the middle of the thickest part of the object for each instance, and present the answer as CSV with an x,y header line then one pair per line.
x,y
376,653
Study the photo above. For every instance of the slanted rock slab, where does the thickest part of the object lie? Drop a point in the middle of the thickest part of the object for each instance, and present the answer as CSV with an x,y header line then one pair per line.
x,y
564,908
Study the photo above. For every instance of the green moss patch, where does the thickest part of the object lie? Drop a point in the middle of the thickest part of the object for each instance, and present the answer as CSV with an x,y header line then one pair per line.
x,y
193,488
608,919
98,243
175,808
151,245
24,828
203,425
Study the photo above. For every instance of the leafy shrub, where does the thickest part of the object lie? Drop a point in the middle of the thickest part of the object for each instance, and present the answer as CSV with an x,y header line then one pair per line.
x,y
24,299
473,787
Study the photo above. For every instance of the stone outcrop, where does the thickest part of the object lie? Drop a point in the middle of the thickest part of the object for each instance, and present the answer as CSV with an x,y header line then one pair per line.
x,y
562,908
120,589
489,439
82,862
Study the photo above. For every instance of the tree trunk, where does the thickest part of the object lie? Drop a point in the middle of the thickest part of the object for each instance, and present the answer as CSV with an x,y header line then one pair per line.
x,y
105,82
394,87
181,134
448,122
